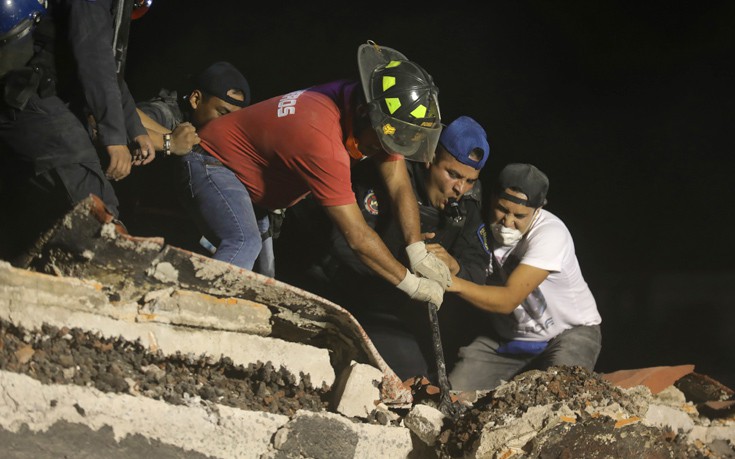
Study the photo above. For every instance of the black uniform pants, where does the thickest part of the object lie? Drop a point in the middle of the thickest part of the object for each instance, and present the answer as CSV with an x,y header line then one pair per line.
x,y
48,164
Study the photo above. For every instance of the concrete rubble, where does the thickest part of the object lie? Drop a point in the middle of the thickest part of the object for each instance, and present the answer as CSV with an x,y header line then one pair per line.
x,y
86,274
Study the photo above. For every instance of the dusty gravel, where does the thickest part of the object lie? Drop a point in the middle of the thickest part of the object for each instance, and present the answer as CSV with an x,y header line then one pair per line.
x,y
73,356
590,436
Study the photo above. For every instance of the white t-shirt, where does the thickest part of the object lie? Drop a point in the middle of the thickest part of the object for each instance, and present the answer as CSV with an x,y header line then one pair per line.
x,y
563,300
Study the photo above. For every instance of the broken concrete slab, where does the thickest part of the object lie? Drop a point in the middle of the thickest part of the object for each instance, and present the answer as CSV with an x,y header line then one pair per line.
x,y
357,391
84,294
425,422
29,407
195,309
34,300
177,307
85,244
514,435
666,416
310,434
714,433
599,411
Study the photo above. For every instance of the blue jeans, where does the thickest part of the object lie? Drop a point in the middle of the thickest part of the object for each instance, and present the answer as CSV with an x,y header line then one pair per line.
x,y
221,206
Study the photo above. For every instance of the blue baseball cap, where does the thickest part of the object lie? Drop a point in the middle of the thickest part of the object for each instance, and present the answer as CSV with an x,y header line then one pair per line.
x,y
461,137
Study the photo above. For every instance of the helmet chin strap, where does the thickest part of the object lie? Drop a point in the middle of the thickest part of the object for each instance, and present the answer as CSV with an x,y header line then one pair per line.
x,y
353,149
351,143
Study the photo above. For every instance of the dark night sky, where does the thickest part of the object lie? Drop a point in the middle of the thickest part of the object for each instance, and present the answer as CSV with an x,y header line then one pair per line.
x,y
627,106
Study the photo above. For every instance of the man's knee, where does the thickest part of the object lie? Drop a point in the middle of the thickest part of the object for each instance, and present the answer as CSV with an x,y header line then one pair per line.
x,y
81,180
578,346
239,249
480,367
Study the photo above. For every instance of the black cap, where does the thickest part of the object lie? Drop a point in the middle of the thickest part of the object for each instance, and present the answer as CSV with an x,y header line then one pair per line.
x,y
221,77
527,179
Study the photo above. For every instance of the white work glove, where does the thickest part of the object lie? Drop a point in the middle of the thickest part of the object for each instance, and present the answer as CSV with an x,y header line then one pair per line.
x,y
422,289
427,264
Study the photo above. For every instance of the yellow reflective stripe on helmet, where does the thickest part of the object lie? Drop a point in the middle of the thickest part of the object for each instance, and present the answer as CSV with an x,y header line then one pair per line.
x,y
388,129
388,82
393,64
393,104
419,112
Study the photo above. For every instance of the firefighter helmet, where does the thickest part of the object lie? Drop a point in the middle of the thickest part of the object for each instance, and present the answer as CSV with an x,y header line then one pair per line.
x,y
403,101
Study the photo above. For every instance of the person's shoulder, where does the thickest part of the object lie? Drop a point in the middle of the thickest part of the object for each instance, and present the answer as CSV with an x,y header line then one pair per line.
x,y
342,88
304,104
168,95
472,200
474,193
164,96
549,225
318,101
550,219
164,108
334,95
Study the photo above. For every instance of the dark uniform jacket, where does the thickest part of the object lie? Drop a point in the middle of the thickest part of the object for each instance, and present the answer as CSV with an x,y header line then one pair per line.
x,y
319,260
357,287
89,33
73,68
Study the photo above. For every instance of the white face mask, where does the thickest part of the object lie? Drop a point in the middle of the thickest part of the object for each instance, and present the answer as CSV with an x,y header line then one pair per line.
x,y
510,236
505,236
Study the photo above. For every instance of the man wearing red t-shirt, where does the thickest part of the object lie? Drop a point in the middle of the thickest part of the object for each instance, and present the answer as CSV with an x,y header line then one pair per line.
x,y
283,148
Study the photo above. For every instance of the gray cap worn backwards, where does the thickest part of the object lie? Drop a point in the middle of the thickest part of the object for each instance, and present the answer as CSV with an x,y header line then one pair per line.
x,y
527,179
221,77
